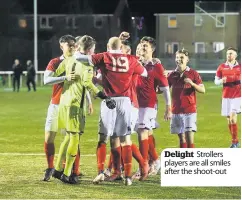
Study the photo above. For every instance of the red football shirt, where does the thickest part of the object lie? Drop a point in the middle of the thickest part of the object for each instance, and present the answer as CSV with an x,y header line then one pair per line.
x,y
146,87
183,94
134,98
232,87
57,88
117,71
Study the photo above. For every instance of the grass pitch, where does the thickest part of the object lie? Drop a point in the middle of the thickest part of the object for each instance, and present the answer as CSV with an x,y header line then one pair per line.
x,y
22,160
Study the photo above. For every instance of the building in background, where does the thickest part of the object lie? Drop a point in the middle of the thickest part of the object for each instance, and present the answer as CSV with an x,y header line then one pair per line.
x,y
17,30
205,35
198,33
50,29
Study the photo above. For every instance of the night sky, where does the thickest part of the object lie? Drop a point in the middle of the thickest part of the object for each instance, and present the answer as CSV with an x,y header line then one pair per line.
x,y
145,8
138,7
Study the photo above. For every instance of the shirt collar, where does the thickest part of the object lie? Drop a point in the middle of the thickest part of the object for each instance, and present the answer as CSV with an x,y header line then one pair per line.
x,y
149,62
187,69
232,65
115,51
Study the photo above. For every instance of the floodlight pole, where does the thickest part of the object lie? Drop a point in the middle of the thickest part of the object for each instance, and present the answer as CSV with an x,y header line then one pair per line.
x,y
35,37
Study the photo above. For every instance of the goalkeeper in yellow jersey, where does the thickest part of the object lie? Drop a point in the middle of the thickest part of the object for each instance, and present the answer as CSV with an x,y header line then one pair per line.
x,y
72,108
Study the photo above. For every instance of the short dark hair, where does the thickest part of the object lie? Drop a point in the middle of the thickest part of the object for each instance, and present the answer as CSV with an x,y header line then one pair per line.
x,y
232,48
66,38
126,43
78,38
184,51
150,40
86,42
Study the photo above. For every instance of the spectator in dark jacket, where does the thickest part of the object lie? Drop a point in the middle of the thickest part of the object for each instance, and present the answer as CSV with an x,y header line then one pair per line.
x,y
17,72
30,75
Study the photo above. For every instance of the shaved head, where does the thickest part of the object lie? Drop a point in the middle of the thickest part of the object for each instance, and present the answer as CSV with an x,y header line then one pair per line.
x,y
114,43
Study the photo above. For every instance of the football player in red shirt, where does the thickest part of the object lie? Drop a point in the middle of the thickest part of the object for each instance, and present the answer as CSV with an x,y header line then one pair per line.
x,y
67,43
147,98
126,49
117,70
229,75
184,82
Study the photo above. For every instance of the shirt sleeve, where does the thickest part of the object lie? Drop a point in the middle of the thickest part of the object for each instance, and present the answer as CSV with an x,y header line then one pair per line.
x,y
51,65
159,75
169,78
87,80
219,72
138,67
88,97
50,79
198,79
97,59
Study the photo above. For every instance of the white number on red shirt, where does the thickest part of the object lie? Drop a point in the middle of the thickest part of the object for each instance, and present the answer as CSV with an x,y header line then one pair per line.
x,y
120,64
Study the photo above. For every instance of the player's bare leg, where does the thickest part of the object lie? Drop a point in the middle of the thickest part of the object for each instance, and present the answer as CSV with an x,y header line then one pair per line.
x,y
190,139
101,157
127,158
182,140
49,148
232,123
116,158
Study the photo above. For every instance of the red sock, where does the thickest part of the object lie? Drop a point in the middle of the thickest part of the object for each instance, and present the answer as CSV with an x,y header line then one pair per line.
x,y
101,156
144,148
152,150
183,145
191,145
230,128
110,162
76,164
234,133
122,161
116,157
50,154
137,155
127,159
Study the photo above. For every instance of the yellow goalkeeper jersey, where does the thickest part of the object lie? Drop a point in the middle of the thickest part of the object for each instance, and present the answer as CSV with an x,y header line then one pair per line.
x,y
74,92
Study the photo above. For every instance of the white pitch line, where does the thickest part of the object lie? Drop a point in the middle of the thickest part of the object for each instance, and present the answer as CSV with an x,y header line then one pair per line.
x,y
37,154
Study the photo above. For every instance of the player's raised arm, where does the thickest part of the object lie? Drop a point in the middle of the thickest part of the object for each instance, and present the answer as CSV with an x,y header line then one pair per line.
x,y
124,35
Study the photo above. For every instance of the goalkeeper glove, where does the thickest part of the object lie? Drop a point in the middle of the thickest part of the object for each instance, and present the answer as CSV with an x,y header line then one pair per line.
x,y
110,103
